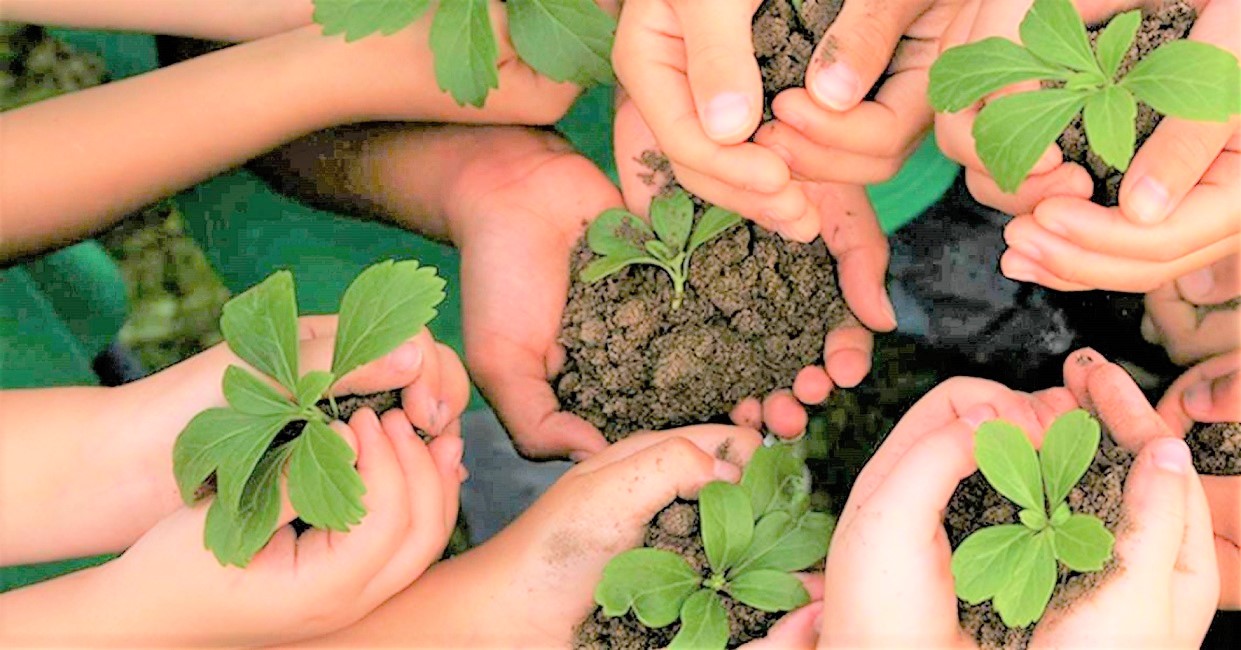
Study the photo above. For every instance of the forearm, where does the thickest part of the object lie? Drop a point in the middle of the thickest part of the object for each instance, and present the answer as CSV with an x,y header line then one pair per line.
x,y
72,610
220,20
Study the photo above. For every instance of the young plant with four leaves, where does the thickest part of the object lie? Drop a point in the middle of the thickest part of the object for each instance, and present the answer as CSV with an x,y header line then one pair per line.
x,y
563,40
1184,79
240,445
621,239
1014,565
755,535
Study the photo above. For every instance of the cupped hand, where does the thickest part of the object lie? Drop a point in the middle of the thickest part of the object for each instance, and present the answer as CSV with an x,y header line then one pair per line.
x,y
1199,315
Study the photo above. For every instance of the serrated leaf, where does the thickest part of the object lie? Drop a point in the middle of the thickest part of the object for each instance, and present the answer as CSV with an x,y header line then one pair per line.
x,y
784,542
983,562
219,436
564,40
1110,125
602,267
465,51
248,394
727,523
235,537
1083,543
1023,597
386,305
704,623
358,18
324,487
1008,461
1068,449
1012,132
260,326
964,75
769,590
714,222
1055,32
652,582
312,386
1115,40
672,218
766,474
605,235
1188,79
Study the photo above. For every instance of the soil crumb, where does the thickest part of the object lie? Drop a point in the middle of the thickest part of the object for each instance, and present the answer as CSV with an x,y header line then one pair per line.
x,y
1216,448
785,40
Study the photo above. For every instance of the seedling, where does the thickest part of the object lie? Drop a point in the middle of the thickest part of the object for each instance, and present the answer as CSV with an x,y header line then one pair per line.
x,y
564,40
1185,79
387,304
621,239
1014,565
755,535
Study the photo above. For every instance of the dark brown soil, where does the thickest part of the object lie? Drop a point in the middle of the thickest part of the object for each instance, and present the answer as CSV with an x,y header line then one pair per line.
x,y
976,505
674,529
1170,22
784,41
1216,448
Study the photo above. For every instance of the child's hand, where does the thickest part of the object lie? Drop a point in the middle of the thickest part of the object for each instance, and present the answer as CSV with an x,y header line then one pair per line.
x,y
1199,315
167,590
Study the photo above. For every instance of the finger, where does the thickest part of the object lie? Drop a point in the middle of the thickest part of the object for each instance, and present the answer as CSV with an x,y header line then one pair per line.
x,y
441,393
886,127
847,352
723,73
733,445
818,162
786,205
1224,498
856,50
1156,496
397,369
784,415
747,413
798,629
642,169
1121,406
1065,179
1051,403
1203,377
814,584
1215,400
851,232
1171,162
1212,285
812,385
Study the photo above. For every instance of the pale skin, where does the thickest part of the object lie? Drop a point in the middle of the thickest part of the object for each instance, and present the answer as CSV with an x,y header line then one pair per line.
x,y
1179,200
1198,315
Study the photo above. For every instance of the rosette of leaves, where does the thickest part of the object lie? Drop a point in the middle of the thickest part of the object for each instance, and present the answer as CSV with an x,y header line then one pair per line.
x,y
563,40
621,239
1014,565
1184,79
241,445
755,534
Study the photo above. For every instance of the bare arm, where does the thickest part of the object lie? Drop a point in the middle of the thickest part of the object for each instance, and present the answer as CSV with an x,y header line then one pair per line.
x,y
221,20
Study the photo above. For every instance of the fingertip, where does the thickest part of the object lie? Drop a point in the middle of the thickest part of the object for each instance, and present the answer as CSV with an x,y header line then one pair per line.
x,y
848,367
446,453
835,86
784,415
812,385
748,413
729,117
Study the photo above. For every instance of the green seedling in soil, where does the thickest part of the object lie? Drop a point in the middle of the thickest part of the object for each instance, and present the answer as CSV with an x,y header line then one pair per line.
x,y
238,444
620,239
1014,565
1184,79
564,40
755,534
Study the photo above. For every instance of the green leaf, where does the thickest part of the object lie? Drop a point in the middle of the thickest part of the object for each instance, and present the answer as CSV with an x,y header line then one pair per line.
x,y
1035,520
465,51
769,590
1006,457
1084,82
1012,132
1114,42
1054,32
983,562
1110,116
564,40
673,217
1068,449
766,474
222,439
785,543
235,537
966,74
1188,79
1083,543
1060,514
714,222
660,250
602,267
704,623
386,305
260,326
324,486
1027,589
312,386
605,233
248,394
358,18
652,582
727,523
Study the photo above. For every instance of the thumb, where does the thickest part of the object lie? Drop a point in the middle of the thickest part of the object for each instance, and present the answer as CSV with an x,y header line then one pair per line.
x,y
856,50
1214,400
723,73
797,629
1156,494
1212,285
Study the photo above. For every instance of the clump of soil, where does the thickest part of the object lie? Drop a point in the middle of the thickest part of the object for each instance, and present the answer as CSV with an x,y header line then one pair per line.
x,y
1169,22
674,529
1216,448
977,505
785,40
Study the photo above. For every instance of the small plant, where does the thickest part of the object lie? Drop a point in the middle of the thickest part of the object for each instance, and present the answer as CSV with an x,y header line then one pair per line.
x,y
564,40
621,239
238,445
1185,79
755,535
1014,565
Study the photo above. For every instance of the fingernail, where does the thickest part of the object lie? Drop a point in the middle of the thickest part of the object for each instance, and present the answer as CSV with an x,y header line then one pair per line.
x,y
1027,249
442,415
726,114
976,415
1197,399
1020,269
1171,455
406,357
772,217
837,86
783,153
726,471
433,415
885,303
1149,201
1197,284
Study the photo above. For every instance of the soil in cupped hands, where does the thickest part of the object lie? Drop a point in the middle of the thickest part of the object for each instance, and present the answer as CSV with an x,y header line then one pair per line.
x,y
1216,448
